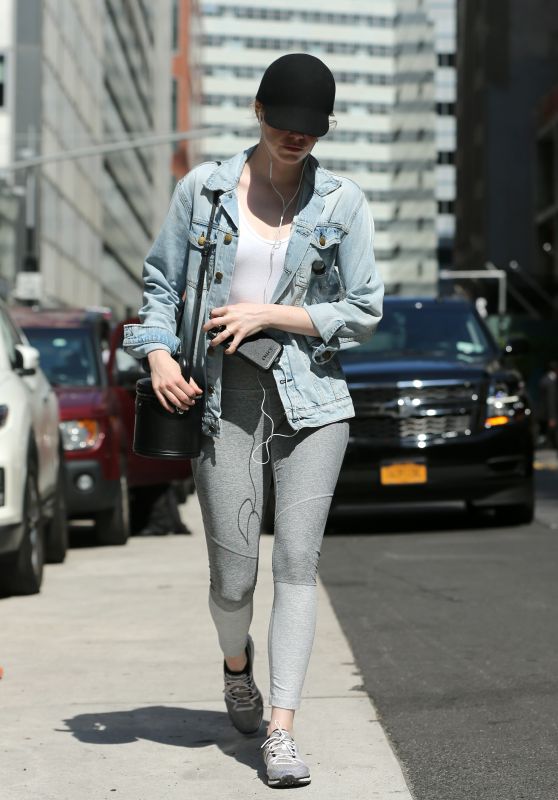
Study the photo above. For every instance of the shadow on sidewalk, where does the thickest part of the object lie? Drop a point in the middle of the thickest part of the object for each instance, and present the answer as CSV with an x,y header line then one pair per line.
x,y
169,725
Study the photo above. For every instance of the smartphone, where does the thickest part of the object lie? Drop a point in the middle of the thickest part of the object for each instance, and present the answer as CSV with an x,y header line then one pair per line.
x,y
260,350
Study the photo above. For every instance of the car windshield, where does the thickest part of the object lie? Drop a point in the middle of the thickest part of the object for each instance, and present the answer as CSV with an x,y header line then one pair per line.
x,y
67,355
446,331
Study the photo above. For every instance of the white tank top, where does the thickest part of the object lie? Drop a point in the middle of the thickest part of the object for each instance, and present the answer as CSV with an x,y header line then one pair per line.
x,y
257,267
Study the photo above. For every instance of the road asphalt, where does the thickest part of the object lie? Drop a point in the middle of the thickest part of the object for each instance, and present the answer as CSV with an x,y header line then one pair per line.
x,y
112,687
452,620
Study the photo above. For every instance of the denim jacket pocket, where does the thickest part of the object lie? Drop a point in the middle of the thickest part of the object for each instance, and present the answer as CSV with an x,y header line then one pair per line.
x,y
325,284
325,239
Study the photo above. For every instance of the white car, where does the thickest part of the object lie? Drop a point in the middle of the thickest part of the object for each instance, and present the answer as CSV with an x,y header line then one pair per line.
x,y
33,523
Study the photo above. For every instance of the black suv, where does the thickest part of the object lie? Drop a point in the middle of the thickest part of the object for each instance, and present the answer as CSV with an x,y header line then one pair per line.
x,y
441,414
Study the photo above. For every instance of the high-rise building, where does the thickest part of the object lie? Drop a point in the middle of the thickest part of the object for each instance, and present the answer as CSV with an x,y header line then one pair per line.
x,y
546,218
69,75
443,14
78,74
186,89
136,102
507,61
382,56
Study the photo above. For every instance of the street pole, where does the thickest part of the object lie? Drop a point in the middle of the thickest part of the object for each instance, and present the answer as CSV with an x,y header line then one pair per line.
x,y
114,147
29,164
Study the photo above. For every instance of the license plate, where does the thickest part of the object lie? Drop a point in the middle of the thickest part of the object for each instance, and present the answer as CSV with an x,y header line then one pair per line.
x,y
392,474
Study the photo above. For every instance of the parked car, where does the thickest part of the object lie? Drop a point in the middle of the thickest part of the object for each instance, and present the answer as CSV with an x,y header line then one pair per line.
x,y
33,525
441,414
94,380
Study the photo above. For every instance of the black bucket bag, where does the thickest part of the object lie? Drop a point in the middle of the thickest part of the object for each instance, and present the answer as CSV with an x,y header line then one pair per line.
x,y
159,433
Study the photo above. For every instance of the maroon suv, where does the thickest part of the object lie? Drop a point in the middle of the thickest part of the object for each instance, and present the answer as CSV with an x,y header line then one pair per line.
x,y
94,379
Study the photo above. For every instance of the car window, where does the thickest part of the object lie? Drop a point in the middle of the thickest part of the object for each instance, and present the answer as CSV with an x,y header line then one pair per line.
x,y
418,330
67,355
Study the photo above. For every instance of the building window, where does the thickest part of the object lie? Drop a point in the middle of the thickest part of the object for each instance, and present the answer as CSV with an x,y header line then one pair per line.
x,y
174,104
2,80
446,157
446,59
446,207
175,22
445,109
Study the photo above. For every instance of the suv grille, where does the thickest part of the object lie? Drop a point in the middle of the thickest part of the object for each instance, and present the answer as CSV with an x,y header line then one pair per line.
x,y
407,414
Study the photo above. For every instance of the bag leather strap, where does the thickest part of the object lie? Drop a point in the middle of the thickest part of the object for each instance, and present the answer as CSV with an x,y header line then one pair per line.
x,y
186,362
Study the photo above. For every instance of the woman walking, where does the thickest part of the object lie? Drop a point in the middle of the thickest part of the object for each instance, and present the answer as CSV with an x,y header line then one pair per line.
x,y
293,258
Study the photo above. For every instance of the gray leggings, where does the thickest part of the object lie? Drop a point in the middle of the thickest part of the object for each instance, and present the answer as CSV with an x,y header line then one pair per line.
x,y
233,492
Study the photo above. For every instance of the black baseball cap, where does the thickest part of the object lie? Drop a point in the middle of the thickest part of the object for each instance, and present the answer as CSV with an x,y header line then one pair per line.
x,y
297,92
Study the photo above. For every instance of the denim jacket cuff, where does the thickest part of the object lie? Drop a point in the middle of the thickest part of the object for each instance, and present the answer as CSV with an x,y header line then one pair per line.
x,y
139,340
327,325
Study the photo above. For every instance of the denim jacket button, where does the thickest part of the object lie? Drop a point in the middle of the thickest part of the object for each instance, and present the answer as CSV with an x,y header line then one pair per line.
x,y
322,240
228,238
218,277
201,240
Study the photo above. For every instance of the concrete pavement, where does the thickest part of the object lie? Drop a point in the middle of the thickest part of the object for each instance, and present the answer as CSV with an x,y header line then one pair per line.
x,y
112,687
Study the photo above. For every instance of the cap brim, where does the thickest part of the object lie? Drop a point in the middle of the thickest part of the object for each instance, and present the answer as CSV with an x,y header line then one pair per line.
x,y
300,120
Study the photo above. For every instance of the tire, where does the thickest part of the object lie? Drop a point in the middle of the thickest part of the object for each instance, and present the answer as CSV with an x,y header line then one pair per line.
x,y
521,514
112,526
57,527
24,573
517,514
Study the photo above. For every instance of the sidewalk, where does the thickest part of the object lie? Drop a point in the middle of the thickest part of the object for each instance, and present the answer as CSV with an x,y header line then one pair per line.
x,y
112,687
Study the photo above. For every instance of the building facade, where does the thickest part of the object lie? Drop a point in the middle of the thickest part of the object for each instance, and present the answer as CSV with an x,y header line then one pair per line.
x,y
136,103
507,61
186,86
84,74
546,217
382,56
443,14
69,221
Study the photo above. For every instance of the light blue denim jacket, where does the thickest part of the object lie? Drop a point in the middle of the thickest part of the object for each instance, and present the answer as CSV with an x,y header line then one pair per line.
x,y
329,270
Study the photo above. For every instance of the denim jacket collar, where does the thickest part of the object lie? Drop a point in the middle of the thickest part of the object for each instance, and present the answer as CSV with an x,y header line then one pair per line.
x,y
226,177
318,183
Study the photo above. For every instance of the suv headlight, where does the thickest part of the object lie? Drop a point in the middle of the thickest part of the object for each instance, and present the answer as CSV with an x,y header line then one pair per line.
x,y
504,403
80,434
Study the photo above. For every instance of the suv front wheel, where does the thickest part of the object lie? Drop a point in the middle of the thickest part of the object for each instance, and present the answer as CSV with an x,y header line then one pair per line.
x,y
112,525
24,573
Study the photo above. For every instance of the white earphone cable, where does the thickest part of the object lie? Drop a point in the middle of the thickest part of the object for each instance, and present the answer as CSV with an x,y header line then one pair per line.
x,y
266,442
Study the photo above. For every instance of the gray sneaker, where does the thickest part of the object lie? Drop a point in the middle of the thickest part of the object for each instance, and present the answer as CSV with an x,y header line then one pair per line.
x,y
284,765
243,698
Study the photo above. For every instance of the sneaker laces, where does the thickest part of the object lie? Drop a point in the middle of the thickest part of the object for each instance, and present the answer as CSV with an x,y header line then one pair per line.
x,y
240,689
282,747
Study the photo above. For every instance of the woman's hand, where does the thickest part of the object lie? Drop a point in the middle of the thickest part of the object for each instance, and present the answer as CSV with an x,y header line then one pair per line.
x,y
168,384
240,320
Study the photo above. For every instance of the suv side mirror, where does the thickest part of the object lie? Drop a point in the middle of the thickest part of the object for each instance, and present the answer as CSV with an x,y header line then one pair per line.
x,y
26,359
516,346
